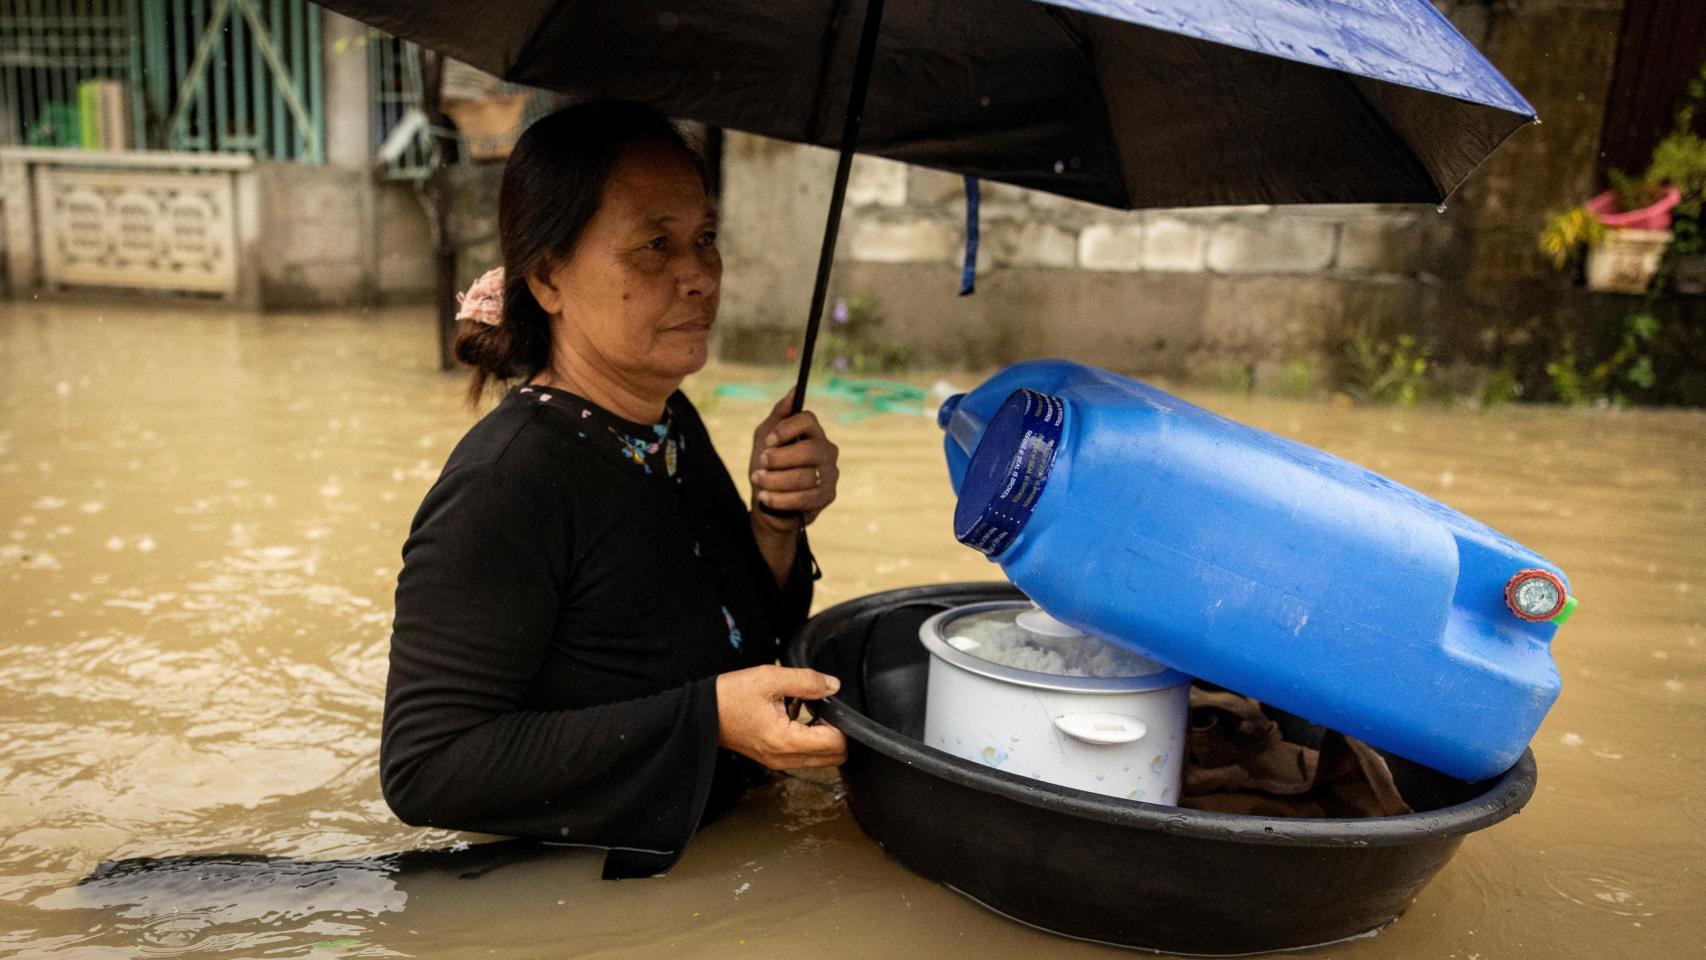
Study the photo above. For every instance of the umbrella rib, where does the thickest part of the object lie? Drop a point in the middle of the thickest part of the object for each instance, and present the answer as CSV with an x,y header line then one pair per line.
x,y
1081,43
542,29
1479,163
826,54
1408,151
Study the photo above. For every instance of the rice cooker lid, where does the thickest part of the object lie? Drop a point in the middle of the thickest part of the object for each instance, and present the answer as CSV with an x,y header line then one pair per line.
x,y
1019,642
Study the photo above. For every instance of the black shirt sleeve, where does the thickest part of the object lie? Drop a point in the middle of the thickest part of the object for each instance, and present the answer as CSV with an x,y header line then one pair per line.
x,y
484,568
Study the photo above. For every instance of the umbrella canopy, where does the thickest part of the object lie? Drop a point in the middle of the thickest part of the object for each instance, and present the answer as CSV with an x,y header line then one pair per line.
x,y
1125,103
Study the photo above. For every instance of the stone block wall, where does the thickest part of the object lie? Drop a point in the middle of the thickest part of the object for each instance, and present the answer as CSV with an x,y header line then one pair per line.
x,y
312,242
1200,292
405,260
1182,291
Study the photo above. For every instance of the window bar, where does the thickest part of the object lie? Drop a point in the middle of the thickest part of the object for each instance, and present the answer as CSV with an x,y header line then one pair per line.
x,y
279,149
132,10
156,67
203,96
174,136
258,74
219,74
241,137
295,79
316,99
39,61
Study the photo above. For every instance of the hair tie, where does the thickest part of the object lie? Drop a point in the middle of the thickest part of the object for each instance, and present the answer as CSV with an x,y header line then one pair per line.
x,y
484,301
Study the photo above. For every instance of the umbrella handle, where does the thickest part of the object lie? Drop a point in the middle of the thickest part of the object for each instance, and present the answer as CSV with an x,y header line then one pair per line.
x,y
843,166
772,511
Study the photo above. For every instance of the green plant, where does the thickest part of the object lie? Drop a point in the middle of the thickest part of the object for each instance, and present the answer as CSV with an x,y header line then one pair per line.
x,y
1631,362
850,342
1680,160
1566,380
1630,366
1566,235
1239,377
894,355
1501,386
1633,193
57,126
1298,378
1387,372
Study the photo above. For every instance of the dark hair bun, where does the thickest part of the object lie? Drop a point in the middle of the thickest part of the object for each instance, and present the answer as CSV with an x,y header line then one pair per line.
x,y
486,348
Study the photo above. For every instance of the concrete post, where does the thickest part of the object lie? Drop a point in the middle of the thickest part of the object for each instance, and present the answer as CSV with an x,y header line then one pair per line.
x,y
349,130
18,210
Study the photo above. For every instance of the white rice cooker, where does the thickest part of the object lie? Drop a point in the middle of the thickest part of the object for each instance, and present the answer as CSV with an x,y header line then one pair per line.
x,y
1014,688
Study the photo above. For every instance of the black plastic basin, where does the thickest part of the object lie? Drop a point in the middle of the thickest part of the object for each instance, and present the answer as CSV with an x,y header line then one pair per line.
x,y
1116,871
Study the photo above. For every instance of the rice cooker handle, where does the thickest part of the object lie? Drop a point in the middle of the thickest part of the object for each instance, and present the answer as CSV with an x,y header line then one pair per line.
x,y
1101,728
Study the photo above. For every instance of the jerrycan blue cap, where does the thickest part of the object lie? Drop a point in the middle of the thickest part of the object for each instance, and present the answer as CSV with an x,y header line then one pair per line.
x,y
1009,470
945,412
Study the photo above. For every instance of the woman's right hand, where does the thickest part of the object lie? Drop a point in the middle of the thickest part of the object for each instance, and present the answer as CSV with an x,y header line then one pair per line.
x,y
753,721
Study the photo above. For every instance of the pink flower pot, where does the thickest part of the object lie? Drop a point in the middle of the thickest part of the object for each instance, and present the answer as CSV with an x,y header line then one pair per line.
x,y
1653,217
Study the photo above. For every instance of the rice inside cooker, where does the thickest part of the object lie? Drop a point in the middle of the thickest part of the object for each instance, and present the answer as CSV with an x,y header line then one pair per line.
x,y
993,636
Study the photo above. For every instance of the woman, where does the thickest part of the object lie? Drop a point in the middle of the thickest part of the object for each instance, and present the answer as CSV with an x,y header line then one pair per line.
x,y
588,616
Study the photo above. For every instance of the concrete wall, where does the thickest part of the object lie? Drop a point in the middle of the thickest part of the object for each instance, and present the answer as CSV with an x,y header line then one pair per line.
x,y
1160,290
1193,292
315,247
473,219
404,257
334,235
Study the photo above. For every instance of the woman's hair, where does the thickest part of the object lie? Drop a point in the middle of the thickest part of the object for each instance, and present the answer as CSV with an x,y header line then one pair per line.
x,y
553,183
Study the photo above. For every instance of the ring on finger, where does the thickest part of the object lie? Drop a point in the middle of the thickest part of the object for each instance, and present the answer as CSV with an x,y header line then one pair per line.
x,y
817,476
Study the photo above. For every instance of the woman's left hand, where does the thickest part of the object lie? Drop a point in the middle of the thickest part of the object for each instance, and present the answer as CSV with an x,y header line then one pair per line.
x,y
793,466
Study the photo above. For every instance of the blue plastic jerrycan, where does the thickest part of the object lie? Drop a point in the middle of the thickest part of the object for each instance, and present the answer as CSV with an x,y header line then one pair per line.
x,y
1258,563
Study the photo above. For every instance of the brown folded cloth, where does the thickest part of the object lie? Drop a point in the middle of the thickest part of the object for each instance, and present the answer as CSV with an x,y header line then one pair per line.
x,y
1237,763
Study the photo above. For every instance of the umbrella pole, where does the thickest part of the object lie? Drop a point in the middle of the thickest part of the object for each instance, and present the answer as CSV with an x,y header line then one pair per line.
x,y
849,142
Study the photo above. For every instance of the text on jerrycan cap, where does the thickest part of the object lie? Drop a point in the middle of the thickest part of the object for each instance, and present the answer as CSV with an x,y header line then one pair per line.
x,y
1009,470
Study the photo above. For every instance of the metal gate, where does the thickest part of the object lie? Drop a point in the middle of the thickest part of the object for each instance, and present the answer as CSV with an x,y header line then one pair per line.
x,y
208,76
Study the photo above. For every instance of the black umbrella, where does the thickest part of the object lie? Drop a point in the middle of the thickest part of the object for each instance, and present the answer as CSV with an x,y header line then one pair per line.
x,y
1125,103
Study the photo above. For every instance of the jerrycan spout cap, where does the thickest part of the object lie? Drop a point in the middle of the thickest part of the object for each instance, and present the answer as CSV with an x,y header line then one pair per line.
x,y
960,424
1008,471
945,412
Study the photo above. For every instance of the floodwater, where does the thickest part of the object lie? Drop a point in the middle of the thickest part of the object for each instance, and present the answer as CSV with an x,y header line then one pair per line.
x,y
200,521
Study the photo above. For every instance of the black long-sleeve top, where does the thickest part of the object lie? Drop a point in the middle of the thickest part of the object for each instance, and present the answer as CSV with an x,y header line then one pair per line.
x,y
571,586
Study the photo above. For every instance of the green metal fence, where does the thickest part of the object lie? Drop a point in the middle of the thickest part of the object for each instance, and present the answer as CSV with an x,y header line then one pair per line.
x,y
204,76
236,76
48,51
225,76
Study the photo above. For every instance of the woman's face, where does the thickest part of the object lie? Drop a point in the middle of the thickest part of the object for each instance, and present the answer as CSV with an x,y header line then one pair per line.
x,y
638,294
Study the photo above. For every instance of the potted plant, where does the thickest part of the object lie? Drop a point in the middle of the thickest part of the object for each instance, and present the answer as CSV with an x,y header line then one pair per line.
x,y
1635,204
1627,231
1636,214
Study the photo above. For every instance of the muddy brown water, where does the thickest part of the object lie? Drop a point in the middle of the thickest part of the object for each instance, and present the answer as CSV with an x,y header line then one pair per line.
x,y
200,521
